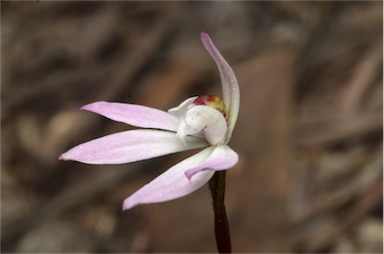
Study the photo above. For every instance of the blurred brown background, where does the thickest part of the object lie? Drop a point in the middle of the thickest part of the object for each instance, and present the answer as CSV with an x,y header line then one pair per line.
x,y
309,134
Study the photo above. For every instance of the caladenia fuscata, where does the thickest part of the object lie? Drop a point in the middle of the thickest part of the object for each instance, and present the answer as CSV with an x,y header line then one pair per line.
x,y
205,122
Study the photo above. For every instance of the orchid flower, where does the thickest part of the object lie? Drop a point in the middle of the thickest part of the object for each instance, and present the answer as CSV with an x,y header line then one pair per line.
x,y
198,122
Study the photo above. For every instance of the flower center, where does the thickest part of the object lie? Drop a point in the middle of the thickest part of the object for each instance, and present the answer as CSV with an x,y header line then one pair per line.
x,y
202,115
206,114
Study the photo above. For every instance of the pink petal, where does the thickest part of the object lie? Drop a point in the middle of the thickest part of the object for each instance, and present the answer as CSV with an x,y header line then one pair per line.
x,y
173,183
222,158
129,146
231,91
135,115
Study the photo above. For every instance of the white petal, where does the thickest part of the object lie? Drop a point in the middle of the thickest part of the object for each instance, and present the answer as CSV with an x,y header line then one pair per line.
x,y
129,146
180,110
231,91
135,115
173,183
208,119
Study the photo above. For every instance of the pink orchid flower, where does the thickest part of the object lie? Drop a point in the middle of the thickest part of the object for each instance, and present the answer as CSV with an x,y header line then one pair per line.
x,y
196,123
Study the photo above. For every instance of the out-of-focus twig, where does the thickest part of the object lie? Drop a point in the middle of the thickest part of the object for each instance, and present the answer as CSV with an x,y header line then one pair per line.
x,y
333,128
363,205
